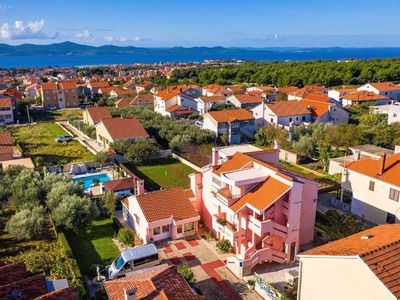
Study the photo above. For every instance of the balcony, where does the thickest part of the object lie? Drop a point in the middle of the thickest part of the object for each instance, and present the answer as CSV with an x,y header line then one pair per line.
x,y
225,196
261,228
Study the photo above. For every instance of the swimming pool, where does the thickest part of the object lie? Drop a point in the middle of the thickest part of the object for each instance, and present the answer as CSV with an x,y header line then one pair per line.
x,y
88,180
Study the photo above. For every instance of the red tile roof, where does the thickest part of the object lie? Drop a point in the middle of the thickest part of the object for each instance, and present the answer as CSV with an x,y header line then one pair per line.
x,y
215,98
167,203
6,143
385,86
167,94
371,167
27,288
317,97
49,86
364,96
248,99
317,108
98,113
288,108
99,84
124,128
68,293
162,282
231,115
263,195
119,184
68,85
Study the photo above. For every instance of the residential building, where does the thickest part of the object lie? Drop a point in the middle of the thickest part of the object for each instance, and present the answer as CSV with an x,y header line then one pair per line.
x,y
298,94
163,214
365,98
160,282
6,111
176,102
361,266
95,86
336,165
216,90
236,124
285,114
205,103
93,114
245,100
111,130
320,98
265,212
117,92
387,89
393,114
326,112
374,185
33,90
59,95
338,94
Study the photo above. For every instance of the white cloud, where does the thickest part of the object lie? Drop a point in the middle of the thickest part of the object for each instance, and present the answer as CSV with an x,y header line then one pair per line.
x,y
122,39
20,31
136,39
109,38
83,35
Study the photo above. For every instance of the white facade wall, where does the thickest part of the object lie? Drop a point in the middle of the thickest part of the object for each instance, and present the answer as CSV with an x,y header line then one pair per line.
x,y
394,114
210,124
373,205
333,278
140,223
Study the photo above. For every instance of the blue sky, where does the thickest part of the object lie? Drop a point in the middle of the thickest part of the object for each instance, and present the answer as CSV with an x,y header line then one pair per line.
x,y
166,23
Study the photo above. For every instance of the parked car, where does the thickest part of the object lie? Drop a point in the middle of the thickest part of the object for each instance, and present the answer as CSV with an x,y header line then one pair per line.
x,y
64,138
140,257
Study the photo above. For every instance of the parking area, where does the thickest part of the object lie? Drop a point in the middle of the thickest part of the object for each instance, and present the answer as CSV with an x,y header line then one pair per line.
x,y
213,278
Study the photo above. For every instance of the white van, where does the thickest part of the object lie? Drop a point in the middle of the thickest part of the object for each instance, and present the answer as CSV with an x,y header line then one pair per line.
x,y
137,258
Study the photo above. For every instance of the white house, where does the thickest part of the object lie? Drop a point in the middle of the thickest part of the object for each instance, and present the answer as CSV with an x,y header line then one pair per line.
x,y
205,103
388,89
365,98
325,112
6,111
338,94
394,114
245,100
163,214
361,266
374,185
284,113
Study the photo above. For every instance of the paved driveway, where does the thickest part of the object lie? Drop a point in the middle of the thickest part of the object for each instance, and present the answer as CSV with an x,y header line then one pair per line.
x,y
213,278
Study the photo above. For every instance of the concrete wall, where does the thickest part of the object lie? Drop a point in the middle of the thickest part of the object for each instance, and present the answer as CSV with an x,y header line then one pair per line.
x,y
333,278
288,156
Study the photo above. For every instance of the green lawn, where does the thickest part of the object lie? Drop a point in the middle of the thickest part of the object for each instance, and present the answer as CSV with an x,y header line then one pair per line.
x,y
165,173
55,115
93,245
37,141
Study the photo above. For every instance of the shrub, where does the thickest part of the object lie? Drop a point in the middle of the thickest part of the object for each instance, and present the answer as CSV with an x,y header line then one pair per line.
x,y
251,282
221,221
109,202
185,271
28,223
208,235
126,237
224,246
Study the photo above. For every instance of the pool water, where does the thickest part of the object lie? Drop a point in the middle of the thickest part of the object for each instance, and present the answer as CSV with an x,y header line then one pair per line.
x,y
88,180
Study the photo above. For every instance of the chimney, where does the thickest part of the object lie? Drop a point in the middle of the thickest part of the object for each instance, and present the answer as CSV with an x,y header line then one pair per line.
x,y
130,294
356,154
382,161
215,156
396,149
139,188
277,145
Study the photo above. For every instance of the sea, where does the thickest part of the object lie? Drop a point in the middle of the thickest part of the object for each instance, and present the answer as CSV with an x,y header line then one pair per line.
x,y
239,54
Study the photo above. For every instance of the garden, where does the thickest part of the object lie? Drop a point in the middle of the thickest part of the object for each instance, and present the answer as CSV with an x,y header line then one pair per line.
x,y
38,142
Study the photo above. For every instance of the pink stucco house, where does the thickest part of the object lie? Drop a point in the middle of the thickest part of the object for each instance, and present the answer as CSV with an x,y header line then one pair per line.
x,y
163,214
266,213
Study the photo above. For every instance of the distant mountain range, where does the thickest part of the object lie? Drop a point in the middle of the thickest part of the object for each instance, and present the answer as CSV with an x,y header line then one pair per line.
x,y
70,48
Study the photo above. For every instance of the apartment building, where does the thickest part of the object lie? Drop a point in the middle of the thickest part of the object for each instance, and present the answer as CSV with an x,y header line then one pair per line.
x,y
361,266
266,213
374,185
365,98
59,95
